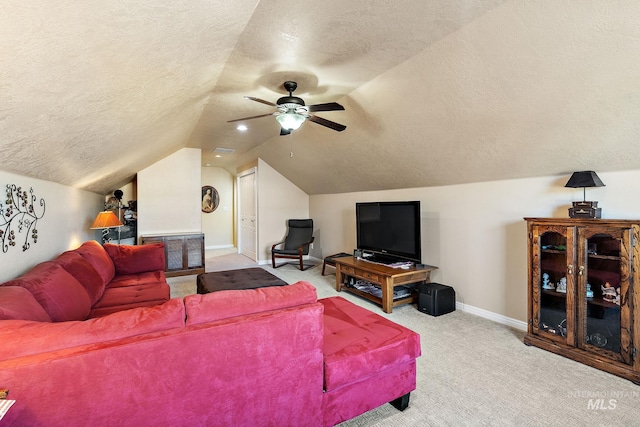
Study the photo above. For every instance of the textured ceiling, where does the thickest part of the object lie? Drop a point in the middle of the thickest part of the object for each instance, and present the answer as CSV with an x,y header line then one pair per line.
x,y
436,92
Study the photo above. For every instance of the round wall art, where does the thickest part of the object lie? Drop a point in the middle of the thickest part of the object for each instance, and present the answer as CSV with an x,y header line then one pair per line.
x,y
210,199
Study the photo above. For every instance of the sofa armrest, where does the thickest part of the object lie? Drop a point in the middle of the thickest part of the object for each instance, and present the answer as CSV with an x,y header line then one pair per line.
x,y
225,304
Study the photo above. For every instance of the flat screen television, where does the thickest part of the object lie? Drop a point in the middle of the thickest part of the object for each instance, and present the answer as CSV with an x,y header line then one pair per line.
x,y
389,231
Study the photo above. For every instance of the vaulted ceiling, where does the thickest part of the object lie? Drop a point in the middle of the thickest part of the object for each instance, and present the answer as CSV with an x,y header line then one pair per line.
x,y
436,92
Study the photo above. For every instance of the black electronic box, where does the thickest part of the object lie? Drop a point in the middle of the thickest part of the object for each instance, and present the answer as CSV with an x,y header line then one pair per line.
x,y
436,299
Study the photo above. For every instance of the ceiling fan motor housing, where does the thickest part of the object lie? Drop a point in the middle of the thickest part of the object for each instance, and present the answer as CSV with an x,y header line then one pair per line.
x,y
291,100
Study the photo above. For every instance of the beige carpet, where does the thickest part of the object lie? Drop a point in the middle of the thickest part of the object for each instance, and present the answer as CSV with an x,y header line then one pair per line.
x,y
475,372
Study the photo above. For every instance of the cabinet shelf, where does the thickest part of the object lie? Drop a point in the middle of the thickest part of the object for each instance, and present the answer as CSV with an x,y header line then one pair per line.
x,y
609,257
593,300
553,251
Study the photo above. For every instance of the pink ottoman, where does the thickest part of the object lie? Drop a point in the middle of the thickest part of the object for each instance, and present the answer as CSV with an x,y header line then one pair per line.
x,y
368,361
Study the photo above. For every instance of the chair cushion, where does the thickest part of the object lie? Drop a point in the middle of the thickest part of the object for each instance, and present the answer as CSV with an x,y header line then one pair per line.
x,y
58,292
17,303
359,343
300,233
129,259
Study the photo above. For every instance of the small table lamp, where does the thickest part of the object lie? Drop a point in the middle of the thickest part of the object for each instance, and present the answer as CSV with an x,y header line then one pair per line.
x,y
104,221
585,209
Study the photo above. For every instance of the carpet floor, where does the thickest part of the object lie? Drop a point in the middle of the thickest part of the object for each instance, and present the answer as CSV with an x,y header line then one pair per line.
x,y
475,372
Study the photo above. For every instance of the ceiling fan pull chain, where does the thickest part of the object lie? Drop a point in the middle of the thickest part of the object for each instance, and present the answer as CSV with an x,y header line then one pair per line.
x,y
291,145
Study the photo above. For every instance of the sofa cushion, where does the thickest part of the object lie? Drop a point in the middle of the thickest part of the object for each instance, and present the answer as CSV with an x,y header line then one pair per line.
x,y
225,304
136,259
28,337
17,303
93,252
138,279
76,265
58,292
127,297
358,343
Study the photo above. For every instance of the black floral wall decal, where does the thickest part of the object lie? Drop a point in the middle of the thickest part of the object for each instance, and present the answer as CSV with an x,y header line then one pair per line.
x,y
19,217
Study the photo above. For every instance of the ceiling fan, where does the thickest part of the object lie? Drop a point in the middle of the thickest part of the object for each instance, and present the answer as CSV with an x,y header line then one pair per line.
x,y
292,111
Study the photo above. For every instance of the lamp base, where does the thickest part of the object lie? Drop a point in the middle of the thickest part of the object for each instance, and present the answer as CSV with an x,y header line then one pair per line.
x,y
585,210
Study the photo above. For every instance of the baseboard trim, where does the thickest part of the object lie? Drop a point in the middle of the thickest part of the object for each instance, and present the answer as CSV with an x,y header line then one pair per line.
x,y
499,318
218,247
282,260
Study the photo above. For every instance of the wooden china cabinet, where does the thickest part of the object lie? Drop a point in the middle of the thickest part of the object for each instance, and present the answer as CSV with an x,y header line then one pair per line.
x,y
581,299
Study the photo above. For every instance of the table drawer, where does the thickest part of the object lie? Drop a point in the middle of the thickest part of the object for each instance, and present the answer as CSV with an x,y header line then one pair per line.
x,y
356,272
372,277
347,269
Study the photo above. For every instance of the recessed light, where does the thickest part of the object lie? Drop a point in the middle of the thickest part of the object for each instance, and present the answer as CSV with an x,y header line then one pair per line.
x,y
241,128
218,155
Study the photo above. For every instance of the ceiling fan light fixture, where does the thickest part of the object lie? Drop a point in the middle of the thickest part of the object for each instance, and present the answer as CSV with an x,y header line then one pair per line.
x,y
290,120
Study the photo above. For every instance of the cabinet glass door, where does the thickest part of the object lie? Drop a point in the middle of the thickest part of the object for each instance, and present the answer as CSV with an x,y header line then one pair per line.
x,y
603,287
554,292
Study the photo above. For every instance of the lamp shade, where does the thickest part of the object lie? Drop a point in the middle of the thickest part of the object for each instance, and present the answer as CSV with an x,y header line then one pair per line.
x,y
106,219
290,121
584,179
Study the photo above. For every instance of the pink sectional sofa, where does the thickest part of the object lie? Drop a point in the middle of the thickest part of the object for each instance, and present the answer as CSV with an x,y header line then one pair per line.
x,y
110,348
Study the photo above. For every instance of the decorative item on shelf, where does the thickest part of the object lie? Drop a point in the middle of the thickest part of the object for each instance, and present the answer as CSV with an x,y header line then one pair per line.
x,y
104,221
589,291
597,339
562,285
546,284
584,209
610,293
17,215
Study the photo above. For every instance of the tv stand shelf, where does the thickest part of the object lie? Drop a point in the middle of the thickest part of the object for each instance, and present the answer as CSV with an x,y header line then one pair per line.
x,y
382,275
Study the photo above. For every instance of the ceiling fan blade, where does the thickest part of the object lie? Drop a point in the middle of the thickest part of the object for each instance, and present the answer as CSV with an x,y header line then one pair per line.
x,y
329,106
285,132
249,118
262,101
328,123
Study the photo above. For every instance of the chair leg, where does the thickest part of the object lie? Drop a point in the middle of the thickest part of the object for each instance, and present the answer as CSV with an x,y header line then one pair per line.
x,y
301,264
324,264
273,261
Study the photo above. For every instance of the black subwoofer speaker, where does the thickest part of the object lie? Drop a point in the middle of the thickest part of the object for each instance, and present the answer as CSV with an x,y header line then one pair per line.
x,y
436,299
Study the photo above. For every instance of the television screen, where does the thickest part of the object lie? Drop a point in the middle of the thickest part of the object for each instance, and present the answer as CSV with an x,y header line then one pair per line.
x,y
390,231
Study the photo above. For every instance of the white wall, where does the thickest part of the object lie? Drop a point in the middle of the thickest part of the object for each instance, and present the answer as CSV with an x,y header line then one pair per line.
x,y
217,226
68,214
278,200
475,233
169,194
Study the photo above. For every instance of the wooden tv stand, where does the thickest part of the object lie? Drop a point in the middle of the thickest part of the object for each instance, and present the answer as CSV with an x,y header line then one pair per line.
x,y
382,275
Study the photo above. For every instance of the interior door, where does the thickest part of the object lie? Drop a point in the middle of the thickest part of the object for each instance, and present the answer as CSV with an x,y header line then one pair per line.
x,y
248,229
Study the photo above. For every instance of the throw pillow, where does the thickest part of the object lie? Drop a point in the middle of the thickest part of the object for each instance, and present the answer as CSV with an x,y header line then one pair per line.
x,y
129,259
